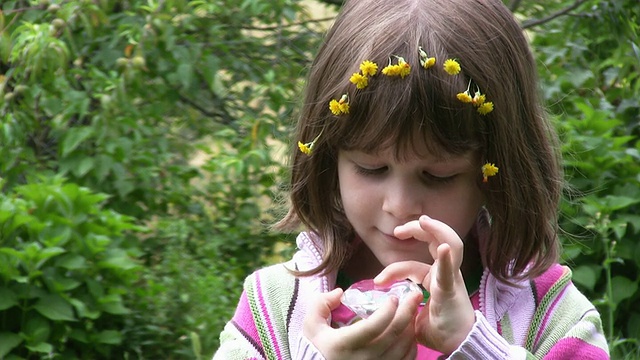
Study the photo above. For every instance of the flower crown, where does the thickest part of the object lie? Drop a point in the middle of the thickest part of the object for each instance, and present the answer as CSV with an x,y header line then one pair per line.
x,y
401,68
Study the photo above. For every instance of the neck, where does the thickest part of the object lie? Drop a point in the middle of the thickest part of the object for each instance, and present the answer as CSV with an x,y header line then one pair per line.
x,y
362,264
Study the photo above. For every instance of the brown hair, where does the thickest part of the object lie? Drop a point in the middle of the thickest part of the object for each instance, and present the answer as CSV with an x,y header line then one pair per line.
x,y
484,38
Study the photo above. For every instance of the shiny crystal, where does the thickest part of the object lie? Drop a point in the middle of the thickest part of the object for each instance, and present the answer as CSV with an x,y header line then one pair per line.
x,y
364,297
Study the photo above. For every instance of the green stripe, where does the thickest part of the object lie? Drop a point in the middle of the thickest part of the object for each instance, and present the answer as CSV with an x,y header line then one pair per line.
x,y
280,284
543,308
263,332
277,289
507,329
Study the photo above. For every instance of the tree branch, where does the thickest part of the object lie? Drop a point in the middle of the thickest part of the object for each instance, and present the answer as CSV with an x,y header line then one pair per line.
x,y
332,2
277,27
535,22
515,4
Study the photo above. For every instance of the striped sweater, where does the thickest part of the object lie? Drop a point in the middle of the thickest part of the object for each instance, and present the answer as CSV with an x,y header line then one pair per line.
x,y
544,318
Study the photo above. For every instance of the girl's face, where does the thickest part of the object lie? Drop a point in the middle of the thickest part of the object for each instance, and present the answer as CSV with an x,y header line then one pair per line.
x,y
380,192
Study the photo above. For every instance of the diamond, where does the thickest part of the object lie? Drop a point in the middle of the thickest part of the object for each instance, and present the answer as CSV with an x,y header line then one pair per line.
x,y
364,297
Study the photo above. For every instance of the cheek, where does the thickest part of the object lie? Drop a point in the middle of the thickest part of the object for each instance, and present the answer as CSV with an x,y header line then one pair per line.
x,y
460,209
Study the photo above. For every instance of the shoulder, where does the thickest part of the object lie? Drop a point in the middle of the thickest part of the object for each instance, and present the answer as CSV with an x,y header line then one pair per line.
x,y
550,283
554,293
264,313
273,285
563,312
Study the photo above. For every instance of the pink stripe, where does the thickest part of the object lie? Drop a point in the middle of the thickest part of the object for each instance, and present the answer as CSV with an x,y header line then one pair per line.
x,y
265,313
475,300
244,319
573,348
425,353
545,281
547,315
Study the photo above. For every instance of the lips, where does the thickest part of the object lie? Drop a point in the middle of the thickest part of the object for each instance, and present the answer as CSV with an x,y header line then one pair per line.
x,y
403,242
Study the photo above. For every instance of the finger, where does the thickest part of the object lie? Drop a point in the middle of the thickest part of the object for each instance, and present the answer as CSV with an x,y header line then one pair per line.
x,y
400,333
320,311
363,332
445,272
444,234
413,229
413,270
402,347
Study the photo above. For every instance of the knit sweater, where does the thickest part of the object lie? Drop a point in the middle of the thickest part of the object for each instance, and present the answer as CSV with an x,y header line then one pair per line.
x,y
543,318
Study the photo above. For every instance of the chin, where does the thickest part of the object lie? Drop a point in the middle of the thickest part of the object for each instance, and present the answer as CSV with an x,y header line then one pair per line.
x,y
388,260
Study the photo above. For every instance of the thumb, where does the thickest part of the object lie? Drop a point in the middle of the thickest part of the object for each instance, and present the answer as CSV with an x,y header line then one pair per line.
x,y
320,310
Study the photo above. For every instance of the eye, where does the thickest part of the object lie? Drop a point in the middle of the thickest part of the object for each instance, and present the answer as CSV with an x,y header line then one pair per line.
x,y
438,179
370,171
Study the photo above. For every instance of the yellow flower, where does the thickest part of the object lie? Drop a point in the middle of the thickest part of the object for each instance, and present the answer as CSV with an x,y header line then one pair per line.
x,y
361,81
478,99
402,68
451,66
488,169
305,148
391,70
425,61
334,105
308,147
429,62
464,97
339,107
368,68
344,104
485,108
344,108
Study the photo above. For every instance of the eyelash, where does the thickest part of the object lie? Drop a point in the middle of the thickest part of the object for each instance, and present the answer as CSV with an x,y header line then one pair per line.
x,y
370,172
440,180
428,177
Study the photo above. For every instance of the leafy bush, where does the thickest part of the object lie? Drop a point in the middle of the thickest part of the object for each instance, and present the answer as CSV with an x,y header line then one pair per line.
x,y
66,266
120,97
590,65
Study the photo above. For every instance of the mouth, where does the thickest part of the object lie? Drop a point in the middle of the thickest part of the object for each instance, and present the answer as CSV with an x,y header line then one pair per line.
x,y
402,242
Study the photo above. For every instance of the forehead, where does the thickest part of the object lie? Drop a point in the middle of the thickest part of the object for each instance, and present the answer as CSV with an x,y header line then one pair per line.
x,y
408,138
420,155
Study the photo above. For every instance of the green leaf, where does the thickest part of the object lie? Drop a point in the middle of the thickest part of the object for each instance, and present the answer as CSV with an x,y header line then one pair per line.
x,y
83,311
8,341
83,167
623,288
73,138
55,308
42,347
37,329
109,337
113,305
8,299
586,275
71,261
614,203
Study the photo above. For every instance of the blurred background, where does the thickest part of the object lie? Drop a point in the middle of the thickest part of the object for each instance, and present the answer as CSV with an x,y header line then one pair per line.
x,y
143,151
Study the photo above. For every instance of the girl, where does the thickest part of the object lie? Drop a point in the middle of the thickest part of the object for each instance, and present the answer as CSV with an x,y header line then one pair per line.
x,y
423,153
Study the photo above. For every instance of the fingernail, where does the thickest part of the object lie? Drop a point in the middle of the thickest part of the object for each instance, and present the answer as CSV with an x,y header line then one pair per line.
x,y
394,299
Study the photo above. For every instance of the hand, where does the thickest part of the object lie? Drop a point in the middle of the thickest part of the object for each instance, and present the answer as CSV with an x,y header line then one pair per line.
x,y
448,315
387,334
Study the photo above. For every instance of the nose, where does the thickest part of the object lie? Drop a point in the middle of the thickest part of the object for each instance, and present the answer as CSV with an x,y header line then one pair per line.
x,y
403,200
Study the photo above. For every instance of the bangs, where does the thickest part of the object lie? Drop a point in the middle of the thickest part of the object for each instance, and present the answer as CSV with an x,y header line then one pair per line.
x,y
407,113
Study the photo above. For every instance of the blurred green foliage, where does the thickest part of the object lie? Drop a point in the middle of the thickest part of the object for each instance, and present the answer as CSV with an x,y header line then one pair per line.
x,y
142,157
